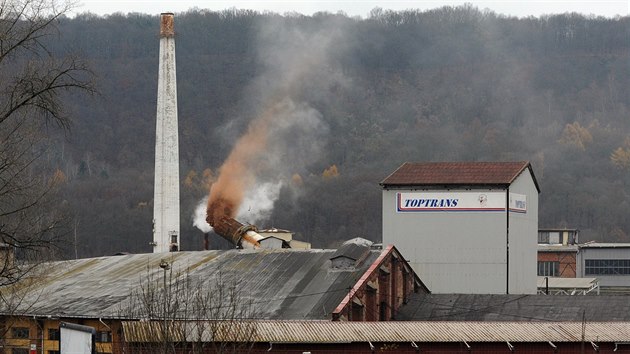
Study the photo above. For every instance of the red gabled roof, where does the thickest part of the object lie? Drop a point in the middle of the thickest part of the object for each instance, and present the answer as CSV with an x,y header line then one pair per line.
x,y
457,173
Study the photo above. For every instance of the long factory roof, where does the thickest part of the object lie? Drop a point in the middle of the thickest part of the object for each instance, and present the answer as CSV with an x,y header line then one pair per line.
x,y
279,284
486,307
420,332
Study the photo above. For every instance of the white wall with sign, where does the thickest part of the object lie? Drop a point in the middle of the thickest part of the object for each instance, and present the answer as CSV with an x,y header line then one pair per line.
x,y
467,240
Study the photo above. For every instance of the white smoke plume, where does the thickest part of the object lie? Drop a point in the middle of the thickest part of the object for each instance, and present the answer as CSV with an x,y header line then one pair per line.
x,y
258,202
285,133
199,217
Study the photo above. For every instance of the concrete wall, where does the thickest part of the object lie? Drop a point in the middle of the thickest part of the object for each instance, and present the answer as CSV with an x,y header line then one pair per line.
x,y
523,237
467,251
452,252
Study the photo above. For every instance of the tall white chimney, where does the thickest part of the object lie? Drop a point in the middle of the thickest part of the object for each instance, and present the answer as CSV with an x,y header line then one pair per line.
x,y
166,193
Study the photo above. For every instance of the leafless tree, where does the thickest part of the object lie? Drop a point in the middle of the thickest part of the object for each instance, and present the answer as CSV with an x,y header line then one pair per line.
x,y
33,80
180,312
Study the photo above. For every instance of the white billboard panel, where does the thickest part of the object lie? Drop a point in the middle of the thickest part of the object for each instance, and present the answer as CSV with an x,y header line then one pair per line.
x,y
450,201
76,339
518,203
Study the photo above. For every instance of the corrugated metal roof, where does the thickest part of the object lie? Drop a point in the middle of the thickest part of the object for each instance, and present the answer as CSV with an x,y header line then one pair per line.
x,y
486,307
282,283
345,332
457,173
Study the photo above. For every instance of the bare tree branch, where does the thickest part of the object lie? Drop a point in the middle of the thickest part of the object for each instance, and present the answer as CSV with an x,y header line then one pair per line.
x,y
33,79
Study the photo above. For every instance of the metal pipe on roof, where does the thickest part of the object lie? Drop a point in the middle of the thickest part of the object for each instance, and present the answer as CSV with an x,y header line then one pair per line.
x,y
595,347
415,346
510,346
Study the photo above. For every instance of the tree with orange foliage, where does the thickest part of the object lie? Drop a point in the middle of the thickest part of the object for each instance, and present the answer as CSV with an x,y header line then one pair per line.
x,y
330,172
576,135
621,156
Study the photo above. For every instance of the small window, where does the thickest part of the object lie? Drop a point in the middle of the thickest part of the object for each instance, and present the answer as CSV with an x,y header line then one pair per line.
x,y
549,269
356,312
543,237
382,313
53,334
103,337
53,352
173,235
19,351
20,333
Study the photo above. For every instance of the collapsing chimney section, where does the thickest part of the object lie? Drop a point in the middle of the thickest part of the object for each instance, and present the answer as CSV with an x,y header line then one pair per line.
x,y
166,193
240,235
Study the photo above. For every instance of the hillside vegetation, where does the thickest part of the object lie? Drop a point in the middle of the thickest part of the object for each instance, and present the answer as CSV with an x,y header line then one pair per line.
x,y
450,84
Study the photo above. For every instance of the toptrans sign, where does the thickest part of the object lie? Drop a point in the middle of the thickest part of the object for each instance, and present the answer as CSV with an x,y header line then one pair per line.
x,y
459,202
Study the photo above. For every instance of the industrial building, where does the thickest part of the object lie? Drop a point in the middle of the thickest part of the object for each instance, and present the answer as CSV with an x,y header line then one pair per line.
x,y
608,262
466,227
594,267
557,253
356,282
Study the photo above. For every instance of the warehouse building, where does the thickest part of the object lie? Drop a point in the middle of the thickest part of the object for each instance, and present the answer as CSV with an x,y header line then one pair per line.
x,y
356,282
466,227
608,262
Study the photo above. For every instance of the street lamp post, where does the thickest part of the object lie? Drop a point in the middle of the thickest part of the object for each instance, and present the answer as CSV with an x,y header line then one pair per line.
x,y
165,266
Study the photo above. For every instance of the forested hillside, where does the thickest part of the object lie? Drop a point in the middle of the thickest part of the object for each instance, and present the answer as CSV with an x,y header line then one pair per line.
x,y
368,94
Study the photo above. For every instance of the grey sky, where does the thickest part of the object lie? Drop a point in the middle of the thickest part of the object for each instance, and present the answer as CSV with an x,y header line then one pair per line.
x,y
607,8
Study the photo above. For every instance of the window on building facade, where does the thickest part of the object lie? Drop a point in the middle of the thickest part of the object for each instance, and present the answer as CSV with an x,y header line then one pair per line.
x,y
53,334
20,332
356,312
20,351
549,269
543,237
53,352
103,337
607,267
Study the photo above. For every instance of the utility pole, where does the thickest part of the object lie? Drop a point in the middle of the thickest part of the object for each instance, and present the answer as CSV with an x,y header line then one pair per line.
x,y
165,266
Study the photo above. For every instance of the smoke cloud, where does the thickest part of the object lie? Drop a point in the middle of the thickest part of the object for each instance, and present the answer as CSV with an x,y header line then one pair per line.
x,y
286,132
199,217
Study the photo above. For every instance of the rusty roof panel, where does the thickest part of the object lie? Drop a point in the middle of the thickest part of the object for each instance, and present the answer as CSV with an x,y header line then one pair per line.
x,y
456,173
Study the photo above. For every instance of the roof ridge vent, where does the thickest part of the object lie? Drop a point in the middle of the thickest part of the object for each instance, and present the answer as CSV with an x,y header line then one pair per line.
x,y
351,254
